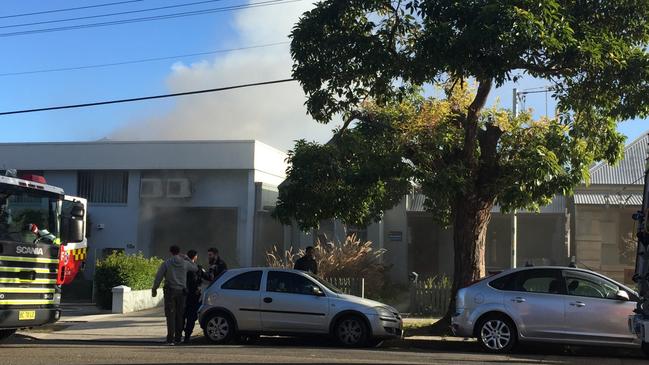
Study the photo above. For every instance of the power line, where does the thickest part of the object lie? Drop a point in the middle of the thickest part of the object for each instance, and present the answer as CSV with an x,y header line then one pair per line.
x,y
152,18
69,9
109,14
143,60
151,97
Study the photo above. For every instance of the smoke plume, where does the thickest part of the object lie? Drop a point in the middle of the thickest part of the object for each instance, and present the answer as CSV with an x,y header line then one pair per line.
x,y
273,114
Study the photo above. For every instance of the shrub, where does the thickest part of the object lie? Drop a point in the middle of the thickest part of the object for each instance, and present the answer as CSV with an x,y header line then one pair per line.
x,y
351,258
134,271
437,282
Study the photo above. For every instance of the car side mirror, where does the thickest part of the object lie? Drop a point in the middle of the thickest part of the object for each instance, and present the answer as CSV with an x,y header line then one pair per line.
x,y
622,295
317,291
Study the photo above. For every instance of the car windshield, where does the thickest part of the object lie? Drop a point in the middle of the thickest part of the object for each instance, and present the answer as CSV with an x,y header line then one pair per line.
x,y
325,283
25,214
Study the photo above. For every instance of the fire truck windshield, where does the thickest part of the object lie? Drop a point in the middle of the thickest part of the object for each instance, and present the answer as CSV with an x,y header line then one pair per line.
x,y
27,215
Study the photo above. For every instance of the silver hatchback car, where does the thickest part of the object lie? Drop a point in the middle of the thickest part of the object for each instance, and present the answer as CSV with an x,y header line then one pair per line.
x,y
253,301
547,304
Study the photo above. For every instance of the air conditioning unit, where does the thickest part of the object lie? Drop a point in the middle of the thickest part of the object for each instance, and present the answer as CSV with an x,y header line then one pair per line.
x,y
178,188
151,188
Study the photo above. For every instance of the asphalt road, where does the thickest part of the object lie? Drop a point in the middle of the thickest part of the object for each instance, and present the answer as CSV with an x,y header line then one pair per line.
x,y
26,351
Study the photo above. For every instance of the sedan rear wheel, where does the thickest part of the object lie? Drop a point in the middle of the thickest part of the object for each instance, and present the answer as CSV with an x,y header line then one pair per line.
x,y
219,328
497,334
351,331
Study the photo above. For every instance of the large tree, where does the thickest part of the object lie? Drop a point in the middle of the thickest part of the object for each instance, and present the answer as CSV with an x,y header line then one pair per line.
x,y
347,52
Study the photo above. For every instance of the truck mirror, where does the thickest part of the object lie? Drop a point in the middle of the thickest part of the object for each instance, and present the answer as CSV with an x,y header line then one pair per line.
x,y
73,224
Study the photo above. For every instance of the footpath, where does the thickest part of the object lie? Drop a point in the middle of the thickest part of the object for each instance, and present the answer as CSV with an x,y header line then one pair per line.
x,y
87,323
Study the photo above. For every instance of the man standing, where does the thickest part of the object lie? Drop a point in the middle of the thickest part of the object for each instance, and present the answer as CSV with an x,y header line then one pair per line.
x,y
174,272
194,280
216,265
307,262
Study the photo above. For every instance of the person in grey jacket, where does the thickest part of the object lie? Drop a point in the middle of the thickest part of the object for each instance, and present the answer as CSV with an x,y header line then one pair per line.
x,y
174,272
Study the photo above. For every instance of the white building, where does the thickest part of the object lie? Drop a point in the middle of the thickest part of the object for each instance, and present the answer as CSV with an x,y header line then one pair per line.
x,y
145,196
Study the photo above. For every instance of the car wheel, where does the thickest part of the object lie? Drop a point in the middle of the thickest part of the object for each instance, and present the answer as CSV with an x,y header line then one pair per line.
x,y
219,328
351,331
497,334
5,334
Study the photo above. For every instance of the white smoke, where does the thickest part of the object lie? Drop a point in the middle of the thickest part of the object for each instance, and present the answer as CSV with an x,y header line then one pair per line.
x,y
273,114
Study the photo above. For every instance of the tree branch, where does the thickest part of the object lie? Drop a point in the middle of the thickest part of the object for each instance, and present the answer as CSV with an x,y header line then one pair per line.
x,y
489,167
471,124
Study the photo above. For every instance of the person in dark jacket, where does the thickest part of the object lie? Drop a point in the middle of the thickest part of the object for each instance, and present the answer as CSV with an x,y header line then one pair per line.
x,y
216,265
194,280
174,272
307,262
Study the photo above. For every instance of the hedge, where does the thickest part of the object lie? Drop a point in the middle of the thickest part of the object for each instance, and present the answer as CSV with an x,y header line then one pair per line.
x,y
134,271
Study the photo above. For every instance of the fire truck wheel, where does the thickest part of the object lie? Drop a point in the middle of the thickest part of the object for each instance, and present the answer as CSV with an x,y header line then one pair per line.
x,y
5,334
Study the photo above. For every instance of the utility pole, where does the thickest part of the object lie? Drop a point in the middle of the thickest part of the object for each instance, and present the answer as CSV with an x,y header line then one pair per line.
x,y
514,218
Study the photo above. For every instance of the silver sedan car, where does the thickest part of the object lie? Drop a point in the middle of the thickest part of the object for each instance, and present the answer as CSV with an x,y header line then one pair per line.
x,y
547,304
252,301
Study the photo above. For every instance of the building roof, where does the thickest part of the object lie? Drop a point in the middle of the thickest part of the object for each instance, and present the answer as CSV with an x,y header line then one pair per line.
x,y
622,198
145,155
415,203
629,171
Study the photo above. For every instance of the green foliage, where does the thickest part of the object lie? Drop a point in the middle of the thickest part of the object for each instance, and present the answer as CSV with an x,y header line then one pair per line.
x,y
353,178
436,282
134,271
594,52
368,168
365,59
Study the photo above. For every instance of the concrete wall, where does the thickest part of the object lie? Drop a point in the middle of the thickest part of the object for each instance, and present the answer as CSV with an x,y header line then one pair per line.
x,y
126,300
140,155
217,189
119,220
395,220
597,226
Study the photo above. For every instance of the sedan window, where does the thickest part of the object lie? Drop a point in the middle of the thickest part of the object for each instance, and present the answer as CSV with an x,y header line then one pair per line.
x,y
246,281
286,282
587,285
539,281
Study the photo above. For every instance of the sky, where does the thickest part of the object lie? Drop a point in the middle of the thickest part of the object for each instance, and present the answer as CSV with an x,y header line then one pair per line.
x,y
272,114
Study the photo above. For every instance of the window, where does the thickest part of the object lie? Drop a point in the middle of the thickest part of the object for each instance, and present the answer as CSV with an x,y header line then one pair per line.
x,y
246,281
539,281
587,285
108,187
503,283
20,208
286,282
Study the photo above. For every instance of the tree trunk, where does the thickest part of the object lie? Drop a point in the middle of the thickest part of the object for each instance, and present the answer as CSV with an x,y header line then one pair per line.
x,y
472,210
471,218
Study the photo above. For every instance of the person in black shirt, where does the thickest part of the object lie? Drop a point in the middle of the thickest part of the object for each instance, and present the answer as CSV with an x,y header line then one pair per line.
x,y
307,262
193,301
216,265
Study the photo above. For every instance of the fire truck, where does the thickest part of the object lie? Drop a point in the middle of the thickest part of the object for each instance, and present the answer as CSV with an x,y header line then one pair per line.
x,y
42,246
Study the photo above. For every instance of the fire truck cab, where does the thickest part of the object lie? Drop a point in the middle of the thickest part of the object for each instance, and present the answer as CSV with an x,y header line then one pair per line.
x,y
42,246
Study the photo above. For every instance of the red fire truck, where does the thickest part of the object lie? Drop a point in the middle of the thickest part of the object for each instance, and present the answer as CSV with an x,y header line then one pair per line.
x,y
42,246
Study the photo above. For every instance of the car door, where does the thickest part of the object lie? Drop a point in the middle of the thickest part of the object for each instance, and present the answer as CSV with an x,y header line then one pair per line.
x,y
292,302
535,302
593,311
241,296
